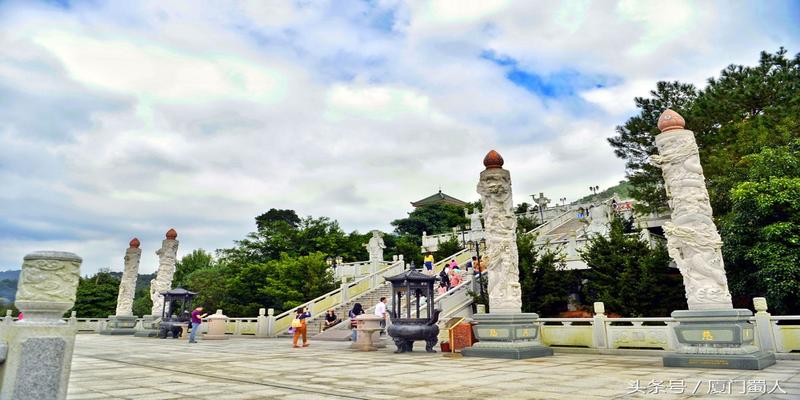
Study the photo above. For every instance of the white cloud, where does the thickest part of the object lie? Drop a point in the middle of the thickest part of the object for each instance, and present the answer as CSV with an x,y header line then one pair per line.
x,y
124,119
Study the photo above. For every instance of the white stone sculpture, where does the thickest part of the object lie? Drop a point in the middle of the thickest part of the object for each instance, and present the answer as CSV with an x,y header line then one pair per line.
x,y
166,269
692,238
505,295
375,247
475,221
127,285
600,220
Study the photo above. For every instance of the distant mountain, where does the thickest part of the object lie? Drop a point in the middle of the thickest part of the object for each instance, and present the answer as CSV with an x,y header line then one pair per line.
x,y
12,274
8,289
142,281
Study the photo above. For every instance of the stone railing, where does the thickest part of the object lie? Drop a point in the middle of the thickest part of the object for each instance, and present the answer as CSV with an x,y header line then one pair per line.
x,y
353,270
337,297
778,334
553,223
431,242
773,333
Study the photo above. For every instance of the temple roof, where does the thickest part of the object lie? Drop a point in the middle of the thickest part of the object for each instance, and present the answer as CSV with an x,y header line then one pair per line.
x,y
438,198
412,276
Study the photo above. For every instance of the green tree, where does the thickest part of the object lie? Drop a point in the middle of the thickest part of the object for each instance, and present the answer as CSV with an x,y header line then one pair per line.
x,y
545,282
309,236
433,219
525,224
447,248
241,290
288,217
189,263
522,208
635,141
743,110
96,296
629,277
142,303
762,231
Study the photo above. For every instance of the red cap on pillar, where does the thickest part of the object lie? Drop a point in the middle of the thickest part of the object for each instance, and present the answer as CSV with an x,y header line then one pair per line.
x,y
493,159
135,243
670,120
171,234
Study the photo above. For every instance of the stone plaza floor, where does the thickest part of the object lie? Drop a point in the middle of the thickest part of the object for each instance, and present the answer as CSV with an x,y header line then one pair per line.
x,y
121,367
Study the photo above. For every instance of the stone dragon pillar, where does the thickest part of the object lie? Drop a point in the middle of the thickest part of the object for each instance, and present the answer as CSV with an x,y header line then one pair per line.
x,y
711,333
124,322
505,332
167,257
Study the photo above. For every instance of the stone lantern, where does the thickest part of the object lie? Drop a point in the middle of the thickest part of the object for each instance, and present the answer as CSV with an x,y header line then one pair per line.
x,y
412,322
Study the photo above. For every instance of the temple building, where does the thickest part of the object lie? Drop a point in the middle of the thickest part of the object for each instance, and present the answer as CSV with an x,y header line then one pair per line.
x,y
438,198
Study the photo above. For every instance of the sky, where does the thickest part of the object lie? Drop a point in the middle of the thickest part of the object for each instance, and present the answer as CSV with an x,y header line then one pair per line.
x,y
124,119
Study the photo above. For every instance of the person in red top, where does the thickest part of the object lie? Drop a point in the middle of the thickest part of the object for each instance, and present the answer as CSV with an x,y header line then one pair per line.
x,y
197,319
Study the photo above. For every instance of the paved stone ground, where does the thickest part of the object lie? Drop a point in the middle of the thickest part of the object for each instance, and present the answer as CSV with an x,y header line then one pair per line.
x,y
106,367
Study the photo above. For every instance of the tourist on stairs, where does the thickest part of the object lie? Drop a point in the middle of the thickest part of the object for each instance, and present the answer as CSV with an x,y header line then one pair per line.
x,y
330,319
429,263
445,277
455,277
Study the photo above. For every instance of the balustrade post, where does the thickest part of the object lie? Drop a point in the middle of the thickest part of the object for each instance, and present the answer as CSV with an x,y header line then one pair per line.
x,y
73,318
766,340
345,292
261,323
8,318
271,323
600,334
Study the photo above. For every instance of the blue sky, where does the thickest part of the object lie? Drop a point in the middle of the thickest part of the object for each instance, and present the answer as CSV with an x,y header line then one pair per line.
x,y
123,119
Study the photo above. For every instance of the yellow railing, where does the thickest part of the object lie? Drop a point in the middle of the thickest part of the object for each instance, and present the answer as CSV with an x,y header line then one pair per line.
x,y
334,298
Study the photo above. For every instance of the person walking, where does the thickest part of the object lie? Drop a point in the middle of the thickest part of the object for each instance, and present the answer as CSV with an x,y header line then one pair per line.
x,y
299,325
445,278
197,319
357,310
429,263
380,311
470,264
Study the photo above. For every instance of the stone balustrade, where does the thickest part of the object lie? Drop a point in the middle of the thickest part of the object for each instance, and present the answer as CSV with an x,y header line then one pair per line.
x,y
609,335
431,242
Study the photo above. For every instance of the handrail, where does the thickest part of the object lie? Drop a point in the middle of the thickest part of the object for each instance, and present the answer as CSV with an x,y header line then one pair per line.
x,y
334,292
550,222
438,266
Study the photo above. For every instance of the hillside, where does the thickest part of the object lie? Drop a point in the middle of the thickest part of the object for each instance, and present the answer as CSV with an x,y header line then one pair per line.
x,y
622,190
12,274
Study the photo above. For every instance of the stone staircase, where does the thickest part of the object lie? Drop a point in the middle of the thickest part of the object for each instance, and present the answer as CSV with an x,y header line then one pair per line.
x,y
368,300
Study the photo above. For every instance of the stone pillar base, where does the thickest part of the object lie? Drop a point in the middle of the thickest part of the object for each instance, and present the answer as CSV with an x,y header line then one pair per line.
x,y
511,336
149,326
721,339
755,361
120,325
